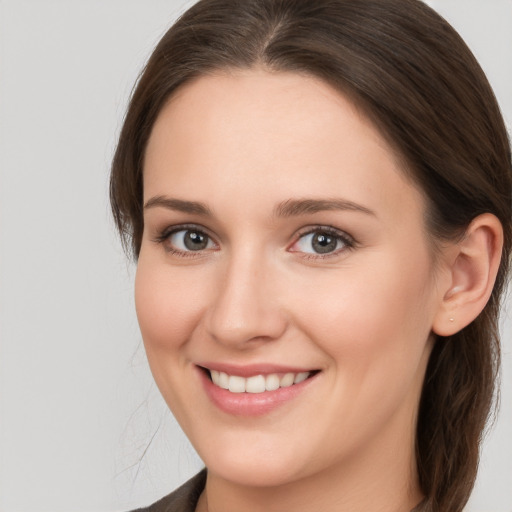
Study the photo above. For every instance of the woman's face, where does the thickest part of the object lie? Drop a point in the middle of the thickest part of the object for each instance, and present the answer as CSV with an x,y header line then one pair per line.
x,y
281,241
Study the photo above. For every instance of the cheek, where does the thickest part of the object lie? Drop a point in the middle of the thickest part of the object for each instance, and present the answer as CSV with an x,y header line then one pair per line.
x,y
168,305
373,319
168,311
374,326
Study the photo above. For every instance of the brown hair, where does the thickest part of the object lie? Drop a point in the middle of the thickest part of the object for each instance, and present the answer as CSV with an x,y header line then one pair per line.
x,y
415,78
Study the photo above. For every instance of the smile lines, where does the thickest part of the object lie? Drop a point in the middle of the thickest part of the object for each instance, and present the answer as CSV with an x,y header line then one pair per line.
x,y
257,383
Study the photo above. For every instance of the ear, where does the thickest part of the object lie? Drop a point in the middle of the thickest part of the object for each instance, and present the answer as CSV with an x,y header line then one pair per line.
x,y
472,265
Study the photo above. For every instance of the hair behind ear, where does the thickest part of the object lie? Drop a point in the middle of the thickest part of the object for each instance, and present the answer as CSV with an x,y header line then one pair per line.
x,y
460,377
456,398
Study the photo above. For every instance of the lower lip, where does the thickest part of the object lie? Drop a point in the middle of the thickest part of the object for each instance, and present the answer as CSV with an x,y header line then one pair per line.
x,y
252,404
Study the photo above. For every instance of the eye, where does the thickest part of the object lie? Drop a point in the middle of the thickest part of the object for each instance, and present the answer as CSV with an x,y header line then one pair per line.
x,y
186,240
322,241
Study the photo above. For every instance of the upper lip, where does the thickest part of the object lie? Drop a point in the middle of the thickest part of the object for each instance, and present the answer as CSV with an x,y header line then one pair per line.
x,y
251,370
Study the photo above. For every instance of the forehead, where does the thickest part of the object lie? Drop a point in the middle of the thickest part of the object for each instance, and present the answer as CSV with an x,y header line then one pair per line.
x,y
278,135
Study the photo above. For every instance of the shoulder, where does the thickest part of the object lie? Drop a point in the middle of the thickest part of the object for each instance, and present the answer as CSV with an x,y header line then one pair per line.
x,y
183,499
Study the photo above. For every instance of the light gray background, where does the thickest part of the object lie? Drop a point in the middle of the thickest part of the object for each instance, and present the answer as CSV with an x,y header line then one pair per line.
x,y
77,404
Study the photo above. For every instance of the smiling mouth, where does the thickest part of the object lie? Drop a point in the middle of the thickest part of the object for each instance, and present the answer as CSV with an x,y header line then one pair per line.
x,y
257,383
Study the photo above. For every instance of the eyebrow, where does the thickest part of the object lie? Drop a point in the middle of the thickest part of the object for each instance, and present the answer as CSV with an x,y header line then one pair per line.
x,y
295,207
288,208
193,207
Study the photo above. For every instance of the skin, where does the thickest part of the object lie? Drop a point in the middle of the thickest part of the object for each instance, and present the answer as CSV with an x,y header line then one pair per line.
x,y
243,143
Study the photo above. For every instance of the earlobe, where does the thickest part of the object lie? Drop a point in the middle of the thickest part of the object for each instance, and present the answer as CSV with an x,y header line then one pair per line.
x,y
472,272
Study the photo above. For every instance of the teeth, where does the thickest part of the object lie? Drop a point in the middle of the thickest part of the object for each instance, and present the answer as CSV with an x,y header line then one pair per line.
x,y
287,380
272,382
300,377
257,383
220,379
236,384
223,380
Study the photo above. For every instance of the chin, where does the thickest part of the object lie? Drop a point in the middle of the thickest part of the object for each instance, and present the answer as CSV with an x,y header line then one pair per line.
x,y
249,474
261,467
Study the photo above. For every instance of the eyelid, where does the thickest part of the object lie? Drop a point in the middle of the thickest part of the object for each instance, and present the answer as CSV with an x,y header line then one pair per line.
x,y
184,227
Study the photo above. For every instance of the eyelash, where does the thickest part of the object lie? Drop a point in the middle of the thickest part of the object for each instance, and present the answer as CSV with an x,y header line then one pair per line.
x,y
166,234
348,241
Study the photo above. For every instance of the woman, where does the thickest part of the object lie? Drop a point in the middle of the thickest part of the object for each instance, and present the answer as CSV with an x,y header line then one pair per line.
x,y
319,195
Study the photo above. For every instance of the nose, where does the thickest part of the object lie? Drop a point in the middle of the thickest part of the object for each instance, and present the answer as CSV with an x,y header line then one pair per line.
x,y
245,310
